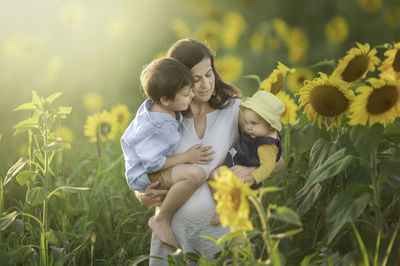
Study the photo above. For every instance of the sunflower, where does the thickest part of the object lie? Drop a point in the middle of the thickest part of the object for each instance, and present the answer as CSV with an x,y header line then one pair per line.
x,y
121,115
234,25
209,32
72,15
356,64
180,28
392,17
326,99
274,83
100,124
230,68
92,101
391,65
297,43
296,80
290,114
370,5
337,30
65,134
379,102
231,197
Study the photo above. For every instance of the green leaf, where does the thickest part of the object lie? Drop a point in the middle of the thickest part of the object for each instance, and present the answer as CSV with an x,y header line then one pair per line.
x,y
36,195
287,215
320,152
343,209
14,170
6,220
1,136
334,165
366,139
322,63
25,125
257,78
309,200
55,145
25,176
67,189
52,97
63,110
392,132
229,236
36,100
55,237
26,106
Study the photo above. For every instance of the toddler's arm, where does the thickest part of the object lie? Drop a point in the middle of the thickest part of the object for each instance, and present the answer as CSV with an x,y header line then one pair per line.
x,y
267,154
195,155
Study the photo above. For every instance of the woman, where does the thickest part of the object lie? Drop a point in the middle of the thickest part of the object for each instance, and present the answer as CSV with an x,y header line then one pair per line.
x,y
211,120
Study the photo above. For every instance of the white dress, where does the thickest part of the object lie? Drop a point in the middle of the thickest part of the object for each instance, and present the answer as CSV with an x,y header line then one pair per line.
x,y
192,220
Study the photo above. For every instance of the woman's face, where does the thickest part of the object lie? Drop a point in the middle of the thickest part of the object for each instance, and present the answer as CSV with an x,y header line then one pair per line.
x,y
204,81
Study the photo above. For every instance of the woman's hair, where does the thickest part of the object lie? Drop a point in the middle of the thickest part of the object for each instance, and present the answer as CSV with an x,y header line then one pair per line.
x,y
190,52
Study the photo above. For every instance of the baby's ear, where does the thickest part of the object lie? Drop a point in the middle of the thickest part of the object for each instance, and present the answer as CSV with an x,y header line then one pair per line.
x,y
164,101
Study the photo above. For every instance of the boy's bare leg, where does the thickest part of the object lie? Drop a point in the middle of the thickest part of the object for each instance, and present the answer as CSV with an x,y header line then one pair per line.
x,y
186,179
215,219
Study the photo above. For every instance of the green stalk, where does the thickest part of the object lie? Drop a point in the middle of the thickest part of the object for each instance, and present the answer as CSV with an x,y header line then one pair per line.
x,y
375,183
286,150
389,249
378,243
264,223
361,244
1,196
43,240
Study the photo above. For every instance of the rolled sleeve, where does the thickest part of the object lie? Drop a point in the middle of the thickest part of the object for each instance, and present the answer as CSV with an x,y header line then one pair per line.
x,y
152,152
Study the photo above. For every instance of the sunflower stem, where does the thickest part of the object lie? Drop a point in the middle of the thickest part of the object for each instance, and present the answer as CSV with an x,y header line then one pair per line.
x,y
375,183
264,222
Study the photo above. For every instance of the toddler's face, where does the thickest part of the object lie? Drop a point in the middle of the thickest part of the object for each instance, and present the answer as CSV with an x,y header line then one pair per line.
x,y
255,125
182,99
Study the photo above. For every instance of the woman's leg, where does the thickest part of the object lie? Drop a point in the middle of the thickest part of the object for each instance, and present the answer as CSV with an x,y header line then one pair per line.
x,y
186,179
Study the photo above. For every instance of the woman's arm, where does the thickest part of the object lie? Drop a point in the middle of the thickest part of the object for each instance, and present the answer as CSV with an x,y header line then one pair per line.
x,y
151,196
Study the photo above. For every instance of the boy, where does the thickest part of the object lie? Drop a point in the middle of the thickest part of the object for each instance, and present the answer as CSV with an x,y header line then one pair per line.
x,y
259,144
151,138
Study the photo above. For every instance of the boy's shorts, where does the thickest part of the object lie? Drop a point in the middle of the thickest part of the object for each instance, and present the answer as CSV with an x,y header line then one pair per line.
x,y
164,176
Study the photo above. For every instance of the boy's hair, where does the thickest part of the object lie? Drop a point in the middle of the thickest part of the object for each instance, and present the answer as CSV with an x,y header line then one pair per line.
x,y
164,77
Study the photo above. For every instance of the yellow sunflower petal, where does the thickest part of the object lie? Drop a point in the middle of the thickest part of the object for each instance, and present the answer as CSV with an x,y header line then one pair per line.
x,y
231,197
356,64
274,83
325,100
377,103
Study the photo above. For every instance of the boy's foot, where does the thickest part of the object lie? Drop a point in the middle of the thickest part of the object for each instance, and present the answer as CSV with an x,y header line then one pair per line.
x,y
215,220
163,232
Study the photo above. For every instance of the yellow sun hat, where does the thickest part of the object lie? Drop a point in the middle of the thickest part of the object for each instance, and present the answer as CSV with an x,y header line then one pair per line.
x,y
268,106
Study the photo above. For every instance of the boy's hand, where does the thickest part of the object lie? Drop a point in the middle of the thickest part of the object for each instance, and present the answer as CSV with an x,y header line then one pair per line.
x,y
199,155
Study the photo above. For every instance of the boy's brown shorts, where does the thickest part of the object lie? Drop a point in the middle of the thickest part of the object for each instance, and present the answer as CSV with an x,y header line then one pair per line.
x,y
164,176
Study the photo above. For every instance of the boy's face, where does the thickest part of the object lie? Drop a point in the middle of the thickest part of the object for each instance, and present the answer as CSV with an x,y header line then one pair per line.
x,y
254,125
182,100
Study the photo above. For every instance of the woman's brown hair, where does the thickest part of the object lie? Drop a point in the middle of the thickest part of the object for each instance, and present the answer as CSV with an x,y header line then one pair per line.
x,y
190,52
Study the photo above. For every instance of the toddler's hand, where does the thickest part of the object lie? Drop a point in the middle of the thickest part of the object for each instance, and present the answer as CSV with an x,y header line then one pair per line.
x,y
199,155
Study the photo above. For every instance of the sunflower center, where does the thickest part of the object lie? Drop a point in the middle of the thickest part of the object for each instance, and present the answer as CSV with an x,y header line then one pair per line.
x,y
382,100
105,128
396,62
277,86
328,100
356,68
120,118
301,80
235,196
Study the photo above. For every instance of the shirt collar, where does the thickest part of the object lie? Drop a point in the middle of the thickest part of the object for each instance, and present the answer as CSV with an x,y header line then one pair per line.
x,y
159,117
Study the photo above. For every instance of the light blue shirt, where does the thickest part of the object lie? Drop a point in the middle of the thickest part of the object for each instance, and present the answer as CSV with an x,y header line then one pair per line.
x,y
146,143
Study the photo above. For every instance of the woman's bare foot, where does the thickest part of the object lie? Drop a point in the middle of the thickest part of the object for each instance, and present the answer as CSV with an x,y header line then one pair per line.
x,y
215,220
163,231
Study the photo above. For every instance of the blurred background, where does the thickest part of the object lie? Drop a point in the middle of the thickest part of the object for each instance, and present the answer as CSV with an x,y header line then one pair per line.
x,y
93,51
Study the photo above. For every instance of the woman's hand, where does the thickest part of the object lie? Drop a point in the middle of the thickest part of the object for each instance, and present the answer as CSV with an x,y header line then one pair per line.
x,y
199,155
151,196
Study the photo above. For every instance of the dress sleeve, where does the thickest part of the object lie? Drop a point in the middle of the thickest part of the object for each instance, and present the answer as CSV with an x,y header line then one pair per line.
x,y
152,151
267,154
